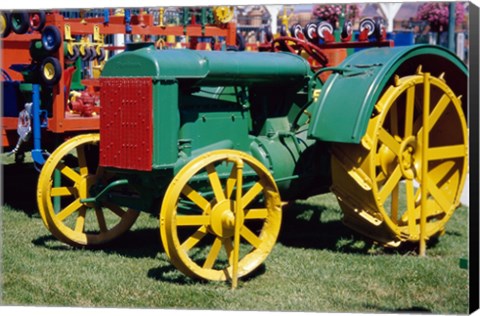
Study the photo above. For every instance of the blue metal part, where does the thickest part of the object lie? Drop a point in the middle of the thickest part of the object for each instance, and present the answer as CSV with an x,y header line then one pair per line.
x,y
37,152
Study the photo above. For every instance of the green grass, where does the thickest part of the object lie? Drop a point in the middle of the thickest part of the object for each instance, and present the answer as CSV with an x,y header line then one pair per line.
x,y
317,265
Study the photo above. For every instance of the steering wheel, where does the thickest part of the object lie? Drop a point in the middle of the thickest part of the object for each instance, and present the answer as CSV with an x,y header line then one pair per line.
x,y
297,46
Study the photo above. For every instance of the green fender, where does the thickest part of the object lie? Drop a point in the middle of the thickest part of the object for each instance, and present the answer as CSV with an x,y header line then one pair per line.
x,y
347,99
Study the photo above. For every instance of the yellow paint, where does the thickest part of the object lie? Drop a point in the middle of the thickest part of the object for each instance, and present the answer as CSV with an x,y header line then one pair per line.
x,y
224,214
415,178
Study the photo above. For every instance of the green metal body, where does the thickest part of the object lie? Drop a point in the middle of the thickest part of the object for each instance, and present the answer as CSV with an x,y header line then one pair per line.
x,y
344,107
254,102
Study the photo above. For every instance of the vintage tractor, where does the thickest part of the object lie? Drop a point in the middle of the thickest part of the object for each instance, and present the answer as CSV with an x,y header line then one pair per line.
x,y
215,142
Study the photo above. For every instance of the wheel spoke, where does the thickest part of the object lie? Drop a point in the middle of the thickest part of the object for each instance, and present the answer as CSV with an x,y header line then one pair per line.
x,y
446,152
249,236
195,197
388,140
232,179
251,194
192,220
438,196
409,110
194,239
62,191
101,219
69,172
82,160
435,114
257,213
69,210
438,110
80,223
213,253
215,182
390,185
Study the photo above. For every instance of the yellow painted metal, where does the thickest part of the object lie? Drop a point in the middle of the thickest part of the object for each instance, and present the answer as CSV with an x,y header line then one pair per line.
x,y
74,222
223,14
405,178
238,220
49,71
425,141
203,228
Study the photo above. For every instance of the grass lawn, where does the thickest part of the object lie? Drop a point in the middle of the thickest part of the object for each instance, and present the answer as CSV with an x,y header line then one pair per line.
x,y
317,265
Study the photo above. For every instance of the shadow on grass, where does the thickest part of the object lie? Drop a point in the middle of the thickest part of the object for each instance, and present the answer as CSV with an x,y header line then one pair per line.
x,y
304,226
20,186
141,243
408,310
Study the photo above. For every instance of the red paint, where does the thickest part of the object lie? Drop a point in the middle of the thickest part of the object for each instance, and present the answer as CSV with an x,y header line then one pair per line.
x,y
126,127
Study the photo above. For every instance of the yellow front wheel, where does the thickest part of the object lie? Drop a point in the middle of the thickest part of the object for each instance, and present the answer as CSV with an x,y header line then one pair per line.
x,y
221,216
380,182
65,181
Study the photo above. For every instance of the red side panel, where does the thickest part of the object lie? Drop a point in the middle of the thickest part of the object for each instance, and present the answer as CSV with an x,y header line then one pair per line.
x,y
126,130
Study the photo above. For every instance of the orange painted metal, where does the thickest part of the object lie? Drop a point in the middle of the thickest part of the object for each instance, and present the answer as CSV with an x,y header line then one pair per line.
x,y
15,50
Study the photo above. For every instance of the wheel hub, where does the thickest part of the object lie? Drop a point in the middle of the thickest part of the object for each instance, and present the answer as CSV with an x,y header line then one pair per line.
x,y
222,219
84,186
407,157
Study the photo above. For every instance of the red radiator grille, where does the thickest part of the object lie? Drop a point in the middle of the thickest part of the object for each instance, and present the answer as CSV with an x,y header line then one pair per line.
x,y
126,123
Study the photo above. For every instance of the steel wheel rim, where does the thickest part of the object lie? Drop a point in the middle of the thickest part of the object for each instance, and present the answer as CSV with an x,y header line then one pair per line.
x,y
385,181
211,221
93,225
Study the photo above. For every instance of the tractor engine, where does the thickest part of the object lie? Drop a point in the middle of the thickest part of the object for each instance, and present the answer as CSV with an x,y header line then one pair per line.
x,y
160,109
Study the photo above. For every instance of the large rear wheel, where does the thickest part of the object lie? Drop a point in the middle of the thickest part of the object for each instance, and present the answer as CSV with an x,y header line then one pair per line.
x,y
379,183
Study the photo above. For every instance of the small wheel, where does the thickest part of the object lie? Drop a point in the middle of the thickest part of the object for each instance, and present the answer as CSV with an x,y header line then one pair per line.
x,y
20,22
50,71
37,20
347,30
283,30
369,24
310,32
322,27
5,24
379,182
51,38
67,177
198,218
379,29
296,31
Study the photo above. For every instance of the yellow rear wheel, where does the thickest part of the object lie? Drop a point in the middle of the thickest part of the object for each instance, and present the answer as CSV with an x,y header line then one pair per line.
x,y
379,182
212,226
65,180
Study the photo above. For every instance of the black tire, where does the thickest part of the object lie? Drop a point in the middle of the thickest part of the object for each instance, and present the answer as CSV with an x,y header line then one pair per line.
x,y
37,20
322,26
379,28
5,24
51,38
347,29
310,32
367,23
50,71
20,22
295,30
